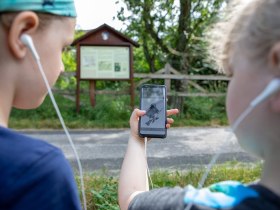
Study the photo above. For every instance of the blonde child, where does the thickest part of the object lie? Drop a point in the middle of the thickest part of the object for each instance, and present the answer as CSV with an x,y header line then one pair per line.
x,y
34,175
250,54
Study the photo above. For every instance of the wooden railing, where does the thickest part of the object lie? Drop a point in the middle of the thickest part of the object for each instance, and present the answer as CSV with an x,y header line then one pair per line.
x,y
167,74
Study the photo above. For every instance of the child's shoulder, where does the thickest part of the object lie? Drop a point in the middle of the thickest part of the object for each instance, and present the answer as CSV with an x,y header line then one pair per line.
x,y
30,167
20,151
17,142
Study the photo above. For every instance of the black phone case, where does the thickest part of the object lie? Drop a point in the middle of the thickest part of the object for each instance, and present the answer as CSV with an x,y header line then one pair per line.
x,y
151,134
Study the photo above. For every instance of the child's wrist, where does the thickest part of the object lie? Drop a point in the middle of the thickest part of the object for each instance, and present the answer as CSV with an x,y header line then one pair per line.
x,y
137,138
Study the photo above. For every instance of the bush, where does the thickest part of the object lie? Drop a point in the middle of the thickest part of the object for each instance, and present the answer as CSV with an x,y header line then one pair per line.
x,y
113,111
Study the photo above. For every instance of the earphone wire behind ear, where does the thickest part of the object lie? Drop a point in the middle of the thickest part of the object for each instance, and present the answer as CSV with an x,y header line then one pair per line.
x,y
271,88
27,41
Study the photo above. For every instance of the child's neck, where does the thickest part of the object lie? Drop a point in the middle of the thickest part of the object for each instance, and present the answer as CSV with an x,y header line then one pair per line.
x,y
271,174
3,119
5,109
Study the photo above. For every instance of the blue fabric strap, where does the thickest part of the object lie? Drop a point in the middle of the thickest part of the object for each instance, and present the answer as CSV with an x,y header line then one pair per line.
x,y
56,7
221,195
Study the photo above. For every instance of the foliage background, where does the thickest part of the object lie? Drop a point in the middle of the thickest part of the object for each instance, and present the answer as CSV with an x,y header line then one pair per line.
x,y
168,32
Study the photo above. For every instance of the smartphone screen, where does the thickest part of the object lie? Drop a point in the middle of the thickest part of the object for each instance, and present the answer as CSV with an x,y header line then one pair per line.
x,y
153,100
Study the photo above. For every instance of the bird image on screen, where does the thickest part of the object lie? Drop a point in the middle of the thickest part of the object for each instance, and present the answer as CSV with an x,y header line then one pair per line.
x,y
152,114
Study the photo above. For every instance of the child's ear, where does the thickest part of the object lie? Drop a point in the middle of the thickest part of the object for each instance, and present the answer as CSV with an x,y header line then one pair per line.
x,y
274,56
24,22
275,103
274,62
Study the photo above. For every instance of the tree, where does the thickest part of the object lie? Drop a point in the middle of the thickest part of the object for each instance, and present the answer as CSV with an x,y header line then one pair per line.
x,y
171,31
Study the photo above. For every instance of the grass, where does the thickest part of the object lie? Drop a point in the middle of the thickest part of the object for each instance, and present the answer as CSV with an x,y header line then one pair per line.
x,y
113,112
101,190
108,113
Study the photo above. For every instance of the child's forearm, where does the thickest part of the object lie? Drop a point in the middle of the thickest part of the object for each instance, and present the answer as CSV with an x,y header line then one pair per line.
x,y
133,177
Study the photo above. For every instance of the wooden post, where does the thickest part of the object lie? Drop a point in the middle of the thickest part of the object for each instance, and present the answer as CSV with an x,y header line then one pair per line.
x,y
78,96
92,87
132,93
131,78
78,76
167,82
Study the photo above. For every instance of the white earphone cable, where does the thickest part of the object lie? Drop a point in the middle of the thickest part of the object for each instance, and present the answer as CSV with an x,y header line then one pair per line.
x,y
148,170
66,131
216,156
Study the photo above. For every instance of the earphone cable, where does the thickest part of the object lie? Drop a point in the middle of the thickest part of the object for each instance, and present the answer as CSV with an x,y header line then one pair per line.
x,y
148,170
66,131
216,156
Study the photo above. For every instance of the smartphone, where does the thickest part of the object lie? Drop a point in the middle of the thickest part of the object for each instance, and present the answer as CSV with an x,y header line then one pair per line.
x,y
153,100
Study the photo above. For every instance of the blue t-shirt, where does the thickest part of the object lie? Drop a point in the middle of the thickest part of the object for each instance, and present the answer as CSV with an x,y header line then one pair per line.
x,y
34,175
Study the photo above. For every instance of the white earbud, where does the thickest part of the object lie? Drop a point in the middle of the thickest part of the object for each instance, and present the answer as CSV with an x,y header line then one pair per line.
x,y
269,90
27,41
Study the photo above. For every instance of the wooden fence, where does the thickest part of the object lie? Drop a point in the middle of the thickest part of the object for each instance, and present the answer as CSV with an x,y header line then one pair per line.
x,y
167,74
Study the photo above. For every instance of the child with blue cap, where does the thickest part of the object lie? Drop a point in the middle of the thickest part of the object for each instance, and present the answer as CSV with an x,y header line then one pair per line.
x,y
34,174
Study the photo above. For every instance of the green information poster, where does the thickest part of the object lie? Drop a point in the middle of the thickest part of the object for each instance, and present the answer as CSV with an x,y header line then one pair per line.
x,y
103,62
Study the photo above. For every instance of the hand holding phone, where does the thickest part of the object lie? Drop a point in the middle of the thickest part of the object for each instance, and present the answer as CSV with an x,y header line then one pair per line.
x,y
153,101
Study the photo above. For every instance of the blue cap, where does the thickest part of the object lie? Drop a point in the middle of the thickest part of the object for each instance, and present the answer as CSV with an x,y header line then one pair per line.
x,y
56,7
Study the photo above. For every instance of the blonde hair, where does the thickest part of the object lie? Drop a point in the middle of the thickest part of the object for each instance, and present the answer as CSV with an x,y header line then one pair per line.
x,y
252,26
